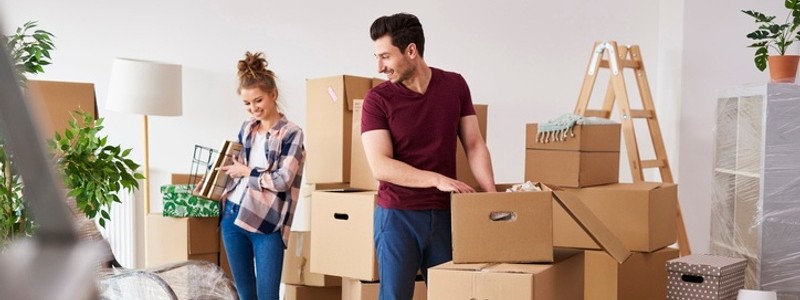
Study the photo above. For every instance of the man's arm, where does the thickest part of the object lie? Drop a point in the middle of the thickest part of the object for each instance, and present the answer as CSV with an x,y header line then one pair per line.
x,y
480,162
378,147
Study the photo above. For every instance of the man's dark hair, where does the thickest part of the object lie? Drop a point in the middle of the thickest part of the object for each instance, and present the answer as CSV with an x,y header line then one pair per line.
x,y
403,28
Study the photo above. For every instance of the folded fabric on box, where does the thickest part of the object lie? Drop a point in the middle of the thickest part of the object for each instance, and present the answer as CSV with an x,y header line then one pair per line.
x,y
559,129
180,203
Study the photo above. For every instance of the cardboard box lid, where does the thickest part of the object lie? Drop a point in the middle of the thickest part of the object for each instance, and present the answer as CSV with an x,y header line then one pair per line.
x,y
707,265
598,231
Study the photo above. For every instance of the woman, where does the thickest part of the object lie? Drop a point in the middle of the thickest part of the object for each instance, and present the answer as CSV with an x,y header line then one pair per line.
x,y
259,202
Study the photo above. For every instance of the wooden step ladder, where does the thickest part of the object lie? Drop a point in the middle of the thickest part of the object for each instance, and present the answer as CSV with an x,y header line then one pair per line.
x,y
618,58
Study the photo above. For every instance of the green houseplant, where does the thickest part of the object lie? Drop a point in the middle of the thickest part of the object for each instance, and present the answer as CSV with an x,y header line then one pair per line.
x,y
92,170
29,52
778,37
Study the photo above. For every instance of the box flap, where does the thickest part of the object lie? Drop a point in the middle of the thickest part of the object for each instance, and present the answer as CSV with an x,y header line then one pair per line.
x,y
707,265
591,224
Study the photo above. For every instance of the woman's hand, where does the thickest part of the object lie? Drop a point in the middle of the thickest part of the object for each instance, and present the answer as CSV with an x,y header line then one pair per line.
x,y
237,170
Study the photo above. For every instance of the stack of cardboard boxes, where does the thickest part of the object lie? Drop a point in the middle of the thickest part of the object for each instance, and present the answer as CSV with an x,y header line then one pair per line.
x,y
641,215
316,266
575,247
343,204
506,245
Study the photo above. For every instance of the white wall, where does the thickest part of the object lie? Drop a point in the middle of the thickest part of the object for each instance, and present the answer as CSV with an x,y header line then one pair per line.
x,y
524,58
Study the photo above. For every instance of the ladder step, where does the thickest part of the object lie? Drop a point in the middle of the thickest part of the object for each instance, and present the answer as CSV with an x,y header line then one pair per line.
x,y
653,163
641,113
597,113
623,63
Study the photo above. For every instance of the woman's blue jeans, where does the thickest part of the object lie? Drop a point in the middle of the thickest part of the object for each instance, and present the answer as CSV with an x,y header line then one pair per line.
x,y
256,259
407,241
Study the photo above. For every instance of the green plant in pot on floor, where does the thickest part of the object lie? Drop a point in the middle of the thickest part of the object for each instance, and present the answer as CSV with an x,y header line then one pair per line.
x,y
778,37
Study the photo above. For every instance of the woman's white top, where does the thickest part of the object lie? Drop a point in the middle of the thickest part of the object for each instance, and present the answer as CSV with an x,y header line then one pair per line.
x,y
258,159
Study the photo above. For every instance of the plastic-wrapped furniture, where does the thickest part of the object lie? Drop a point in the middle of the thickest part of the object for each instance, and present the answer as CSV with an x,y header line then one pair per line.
x,y
183,280
756,197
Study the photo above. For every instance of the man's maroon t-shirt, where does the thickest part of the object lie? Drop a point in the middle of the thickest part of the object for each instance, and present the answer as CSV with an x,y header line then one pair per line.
x,y
424,130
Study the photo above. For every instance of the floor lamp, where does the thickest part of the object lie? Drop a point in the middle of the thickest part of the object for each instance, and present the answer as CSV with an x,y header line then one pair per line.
x,y
146,88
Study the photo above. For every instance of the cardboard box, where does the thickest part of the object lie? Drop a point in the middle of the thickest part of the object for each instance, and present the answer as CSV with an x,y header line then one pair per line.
x,y
178,202
297,263
590,138
463,171
561,280
705,277
641,215
642,276
172,240
53,101
209,257
589,158
353,289
342,223
361,174
523,234
300,292
329,117
571,168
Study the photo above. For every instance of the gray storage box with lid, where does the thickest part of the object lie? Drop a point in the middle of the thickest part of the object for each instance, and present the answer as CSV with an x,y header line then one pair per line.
x,y
706,277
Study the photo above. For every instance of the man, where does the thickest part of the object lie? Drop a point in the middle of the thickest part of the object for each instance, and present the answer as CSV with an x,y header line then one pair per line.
x,y
409,128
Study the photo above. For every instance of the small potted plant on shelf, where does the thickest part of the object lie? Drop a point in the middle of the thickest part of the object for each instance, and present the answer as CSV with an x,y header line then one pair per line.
x,y
776,36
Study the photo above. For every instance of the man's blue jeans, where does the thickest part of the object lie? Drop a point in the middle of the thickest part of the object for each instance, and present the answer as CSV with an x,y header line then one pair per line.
x,y
408,240
260,280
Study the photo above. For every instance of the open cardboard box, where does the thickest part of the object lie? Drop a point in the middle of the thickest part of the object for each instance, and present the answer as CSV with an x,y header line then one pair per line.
x,y
527,236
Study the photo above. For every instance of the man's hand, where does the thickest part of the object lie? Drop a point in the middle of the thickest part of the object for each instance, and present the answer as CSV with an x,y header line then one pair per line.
x,y
237,170
447,184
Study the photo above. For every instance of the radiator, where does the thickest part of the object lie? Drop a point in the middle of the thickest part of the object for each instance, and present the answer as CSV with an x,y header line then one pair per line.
x,y
121,230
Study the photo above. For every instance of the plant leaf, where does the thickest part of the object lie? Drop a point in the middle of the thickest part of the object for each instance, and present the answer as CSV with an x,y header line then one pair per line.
x,y
761,58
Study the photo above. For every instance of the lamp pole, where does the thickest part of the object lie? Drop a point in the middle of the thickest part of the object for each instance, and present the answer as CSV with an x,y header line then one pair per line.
x,y
146,182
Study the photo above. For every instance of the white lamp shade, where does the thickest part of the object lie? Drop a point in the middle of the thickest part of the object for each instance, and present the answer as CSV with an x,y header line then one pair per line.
x,y
145,87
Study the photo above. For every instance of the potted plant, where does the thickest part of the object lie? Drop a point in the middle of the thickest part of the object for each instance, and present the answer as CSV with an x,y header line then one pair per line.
x,y
776,36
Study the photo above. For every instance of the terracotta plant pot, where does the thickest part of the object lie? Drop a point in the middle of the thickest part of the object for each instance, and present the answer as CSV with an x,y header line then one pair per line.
x,y
783,68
